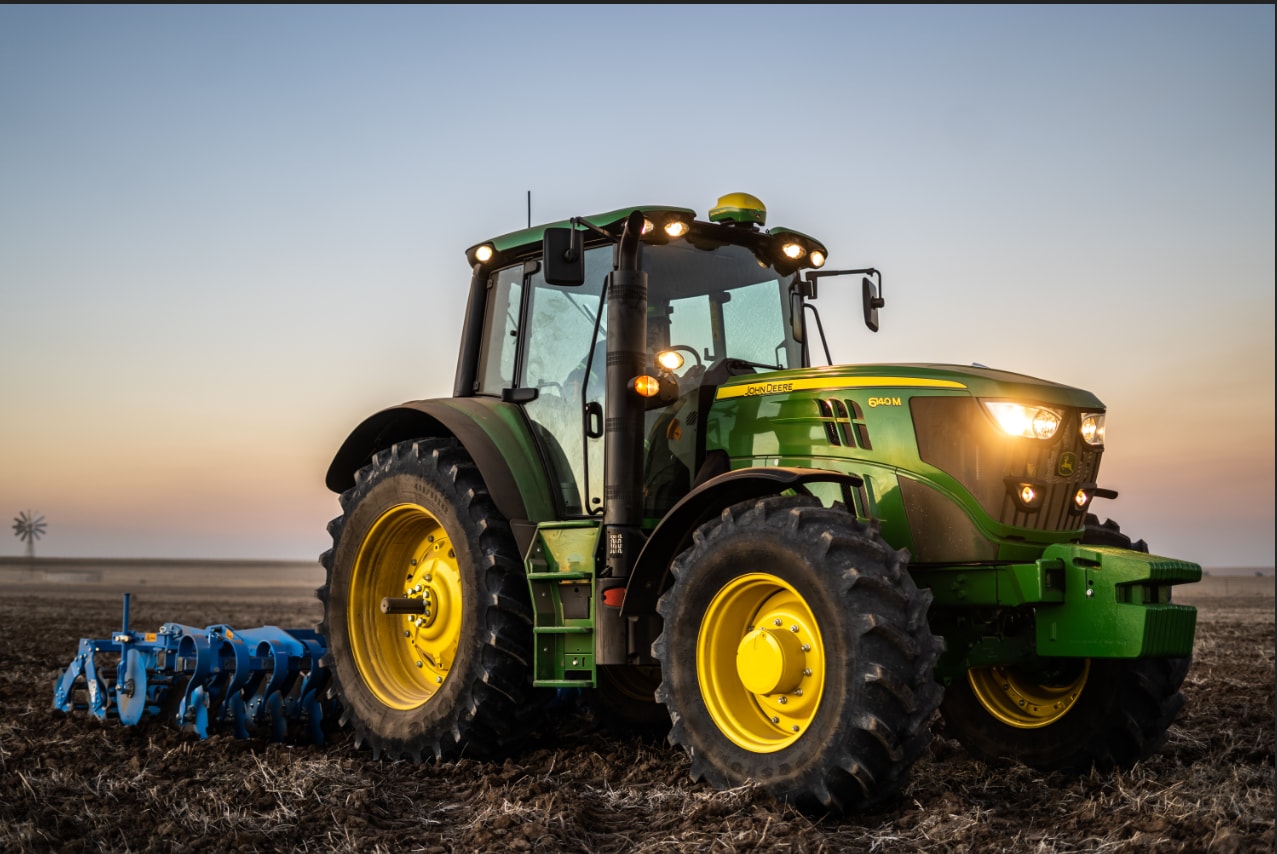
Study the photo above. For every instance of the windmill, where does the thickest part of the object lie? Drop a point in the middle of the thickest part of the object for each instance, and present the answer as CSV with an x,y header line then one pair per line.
x,y
29,527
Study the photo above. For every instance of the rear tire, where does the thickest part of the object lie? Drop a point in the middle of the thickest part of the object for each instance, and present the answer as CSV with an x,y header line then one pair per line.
x,y
796,653
420,524
1070,714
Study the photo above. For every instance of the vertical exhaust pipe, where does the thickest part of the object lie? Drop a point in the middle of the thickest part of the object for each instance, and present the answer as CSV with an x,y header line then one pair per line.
x,y
623,439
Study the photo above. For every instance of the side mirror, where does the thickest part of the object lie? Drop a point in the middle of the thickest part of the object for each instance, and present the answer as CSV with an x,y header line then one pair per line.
x,y
563,253
872,302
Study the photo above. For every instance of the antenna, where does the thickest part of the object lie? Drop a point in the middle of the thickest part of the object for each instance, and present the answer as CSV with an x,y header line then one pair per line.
x,y
529,208
29,527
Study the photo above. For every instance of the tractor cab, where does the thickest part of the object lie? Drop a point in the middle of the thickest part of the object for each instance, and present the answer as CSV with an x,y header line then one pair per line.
x,y
723,298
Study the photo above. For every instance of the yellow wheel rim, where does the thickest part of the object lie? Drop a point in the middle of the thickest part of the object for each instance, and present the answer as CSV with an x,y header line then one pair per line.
x,y
760,663
1023,701
405,658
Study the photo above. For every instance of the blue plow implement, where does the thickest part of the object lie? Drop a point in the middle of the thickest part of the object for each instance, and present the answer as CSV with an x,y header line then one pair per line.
x,y
265,681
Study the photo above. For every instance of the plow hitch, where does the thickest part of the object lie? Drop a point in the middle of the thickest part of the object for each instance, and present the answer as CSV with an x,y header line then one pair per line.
x,y
264,681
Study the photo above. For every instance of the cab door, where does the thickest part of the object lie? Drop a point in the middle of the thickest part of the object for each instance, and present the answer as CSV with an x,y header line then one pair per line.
x,y
546,342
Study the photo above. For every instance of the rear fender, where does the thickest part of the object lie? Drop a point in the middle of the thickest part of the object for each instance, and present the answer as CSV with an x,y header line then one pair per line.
x,y
495,434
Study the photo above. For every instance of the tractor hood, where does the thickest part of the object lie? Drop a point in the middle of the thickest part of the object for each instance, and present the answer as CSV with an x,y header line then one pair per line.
x,y
975,380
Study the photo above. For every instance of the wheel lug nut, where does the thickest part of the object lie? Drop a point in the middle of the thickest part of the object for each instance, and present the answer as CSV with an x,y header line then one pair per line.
x,y
806,647
419,664
778,622
794,629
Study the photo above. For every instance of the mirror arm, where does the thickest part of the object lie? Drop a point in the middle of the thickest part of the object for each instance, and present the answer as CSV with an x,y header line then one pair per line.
x,y
820,327
813,275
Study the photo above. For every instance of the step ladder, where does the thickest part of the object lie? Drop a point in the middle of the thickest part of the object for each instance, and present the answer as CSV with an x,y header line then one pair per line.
x,y
561,576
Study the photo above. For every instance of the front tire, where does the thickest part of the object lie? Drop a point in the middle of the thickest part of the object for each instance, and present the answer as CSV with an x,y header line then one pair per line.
x,y
454,675
1068,714
1071,716
796,653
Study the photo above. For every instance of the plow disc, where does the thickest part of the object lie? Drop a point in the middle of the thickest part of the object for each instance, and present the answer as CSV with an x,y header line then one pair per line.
x,y
264,681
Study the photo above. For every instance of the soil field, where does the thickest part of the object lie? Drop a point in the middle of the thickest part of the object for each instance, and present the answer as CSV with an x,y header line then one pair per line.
x,y
70,783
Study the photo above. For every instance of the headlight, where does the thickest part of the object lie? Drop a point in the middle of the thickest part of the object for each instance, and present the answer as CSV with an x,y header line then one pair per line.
x,y
794,246
1017,419
670,360
1093,428
1029,496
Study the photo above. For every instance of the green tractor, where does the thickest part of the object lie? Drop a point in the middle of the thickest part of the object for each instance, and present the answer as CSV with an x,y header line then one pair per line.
x,y
642,487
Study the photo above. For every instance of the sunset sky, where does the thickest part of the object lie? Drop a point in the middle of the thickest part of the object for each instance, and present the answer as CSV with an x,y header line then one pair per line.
x,y
228,234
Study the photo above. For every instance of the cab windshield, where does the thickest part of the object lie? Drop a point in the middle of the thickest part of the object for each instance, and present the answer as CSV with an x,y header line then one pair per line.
x,y
721,303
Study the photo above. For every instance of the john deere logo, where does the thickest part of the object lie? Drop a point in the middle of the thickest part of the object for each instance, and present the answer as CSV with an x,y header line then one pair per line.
x,y
1067,464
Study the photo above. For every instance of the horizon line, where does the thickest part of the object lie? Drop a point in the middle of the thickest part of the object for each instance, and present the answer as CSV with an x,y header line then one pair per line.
x,y
1269,569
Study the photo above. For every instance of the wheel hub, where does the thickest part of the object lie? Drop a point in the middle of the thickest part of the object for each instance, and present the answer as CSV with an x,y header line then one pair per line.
x,y
770,661
760,662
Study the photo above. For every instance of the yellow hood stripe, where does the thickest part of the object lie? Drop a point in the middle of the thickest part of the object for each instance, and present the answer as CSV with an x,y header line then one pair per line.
x,y
822,384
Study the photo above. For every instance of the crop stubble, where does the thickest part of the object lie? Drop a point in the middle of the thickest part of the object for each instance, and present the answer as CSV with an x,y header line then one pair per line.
x,y
69,783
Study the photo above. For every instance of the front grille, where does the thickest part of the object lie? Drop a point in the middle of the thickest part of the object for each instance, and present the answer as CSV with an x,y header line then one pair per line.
x,y
956,436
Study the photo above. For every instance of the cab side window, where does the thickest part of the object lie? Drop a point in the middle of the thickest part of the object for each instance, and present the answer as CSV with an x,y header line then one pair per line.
x,y
501,331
